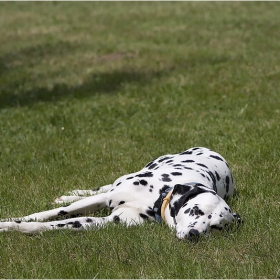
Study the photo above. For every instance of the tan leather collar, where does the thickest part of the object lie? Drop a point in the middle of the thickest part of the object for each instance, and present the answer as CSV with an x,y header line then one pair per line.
x,y
165,202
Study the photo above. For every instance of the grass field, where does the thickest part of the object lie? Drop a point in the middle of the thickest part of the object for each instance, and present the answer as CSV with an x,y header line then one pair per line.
x,y
90,91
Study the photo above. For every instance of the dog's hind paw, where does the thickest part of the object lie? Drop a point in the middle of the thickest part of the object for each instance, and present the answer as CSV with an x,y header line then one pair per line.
x,y
66,199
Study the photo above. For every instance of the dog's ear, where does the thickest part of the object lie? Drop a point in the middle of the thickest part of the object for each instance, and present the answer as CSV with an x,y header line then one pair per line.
x,y
186,193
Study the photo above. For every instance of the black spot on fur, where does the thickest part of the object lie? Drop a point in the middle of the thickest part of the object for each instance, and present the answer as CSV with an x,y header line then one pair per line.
x,y
76,224
187,161
152,166
136,183
210,216
199,154
227,184
186,153
196,211
121,202
62,213
150,212
191,225
61,225
213,179
187,211
145,217
216,157
116,219
18,221
176,173
110,201
128,178
118,183
217,176
150,163
202,165
165,175
170,161
146,174
178,165
163,159
89,220
189,168
143,182
166,179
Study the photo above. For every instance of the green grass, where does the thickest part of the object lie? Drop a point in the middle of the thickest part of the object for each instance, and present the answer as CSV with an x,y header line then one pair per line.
x,y
90,91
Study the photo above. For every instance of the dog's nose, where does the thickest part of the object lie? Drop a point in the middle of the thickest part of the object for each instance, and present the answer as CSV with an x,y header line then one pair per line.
x,y
193,233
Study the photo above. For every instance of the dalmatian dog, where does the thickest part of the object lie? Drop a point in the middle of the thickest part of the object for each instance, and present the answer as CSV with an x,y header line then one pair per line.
x,y
185,190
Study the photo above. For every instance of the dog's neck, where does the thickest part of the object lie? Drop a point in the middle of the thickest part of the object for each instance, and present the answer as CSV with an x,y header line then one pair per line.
x,y
162,206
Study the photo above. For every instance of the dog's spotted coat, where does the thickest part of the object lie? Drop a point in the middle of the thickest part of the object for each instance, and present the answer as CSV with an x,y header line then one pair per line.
x,y
199,179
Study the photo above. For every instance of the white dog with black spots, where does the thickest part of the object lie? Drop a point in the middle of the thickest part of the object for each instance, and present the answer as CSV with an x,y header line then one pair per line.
x,y
187,191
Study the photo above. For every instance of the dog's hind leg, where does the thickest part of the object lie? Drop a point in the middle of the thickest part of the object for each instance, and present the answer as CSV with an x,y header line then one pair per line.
x,y
80,194
36,227
129,216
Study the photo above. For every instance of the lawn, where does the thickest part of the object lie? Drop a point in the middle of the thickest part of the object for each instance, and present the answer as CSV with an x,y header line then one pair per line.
x,y
90,91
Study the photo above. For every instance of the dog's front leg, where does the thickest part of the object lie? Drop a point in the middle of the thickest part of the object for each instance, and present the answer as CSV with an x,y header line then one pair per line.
x,y
81,207
81,194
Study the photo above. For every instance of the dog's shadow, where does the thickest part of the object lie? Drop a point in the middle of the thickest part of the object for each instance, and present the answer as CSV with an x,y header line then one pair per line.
x,y
14,92
105,83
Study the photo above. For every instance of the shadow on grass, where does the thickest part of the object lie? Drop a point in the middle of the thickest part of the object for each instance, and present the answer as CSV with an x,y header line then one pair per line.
x,y
105,83
15,93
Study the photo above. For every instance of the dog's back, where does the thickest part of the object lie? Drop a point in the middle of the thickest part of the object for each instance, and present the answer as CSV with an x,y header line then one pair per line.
x,y
199,165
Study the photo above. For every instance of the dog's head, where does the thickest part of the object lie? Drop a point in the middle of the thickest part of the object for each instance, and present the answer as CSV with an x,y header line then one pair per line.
x,y
198,210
